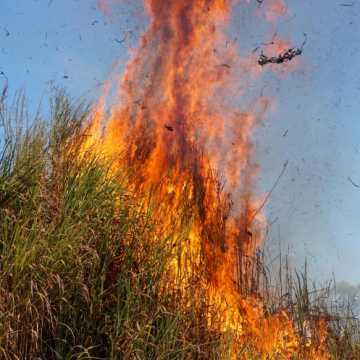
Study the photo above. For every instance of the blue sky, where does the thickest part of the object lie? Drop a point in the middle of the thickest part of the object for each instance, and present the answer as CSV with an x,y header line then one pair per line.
x,y
47,43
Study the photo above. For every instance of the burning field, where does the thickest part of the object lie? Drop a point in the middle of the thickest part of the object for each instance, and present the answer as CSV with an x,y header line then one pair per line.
x,y
175,135
143,231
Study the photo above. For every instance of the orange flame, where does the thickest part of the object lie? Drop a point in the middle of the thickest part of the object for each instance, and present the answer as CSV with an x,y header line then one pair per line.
x,y
176,136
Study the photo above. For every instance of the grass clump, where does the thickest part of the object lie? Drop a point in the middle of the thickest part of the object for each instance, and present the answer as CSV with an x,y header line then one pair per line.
x,y
79,266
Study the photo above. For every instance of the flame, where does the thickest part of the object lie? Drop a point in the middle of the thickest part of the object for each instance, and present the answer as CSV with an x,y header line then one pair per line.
x,y
176,136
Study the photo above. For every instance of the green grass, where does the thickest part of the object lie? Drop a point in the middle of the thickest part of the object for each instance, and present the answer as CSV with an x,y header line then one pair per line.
x,y
81,263
79,270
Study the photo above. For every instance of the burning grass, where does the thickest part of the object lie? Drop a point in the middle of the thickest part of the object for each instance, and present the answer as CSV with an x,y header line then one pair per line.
x,y
137,235
84,258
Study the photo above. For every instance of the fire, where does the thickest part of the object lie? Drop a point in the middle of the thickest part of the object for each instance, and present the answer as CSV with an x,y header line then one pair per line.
x,y
177,138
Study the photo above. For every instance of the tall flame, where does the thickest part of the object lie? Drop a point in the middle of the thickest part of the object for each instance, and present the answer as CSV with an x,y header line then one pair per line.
x,y
177,134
